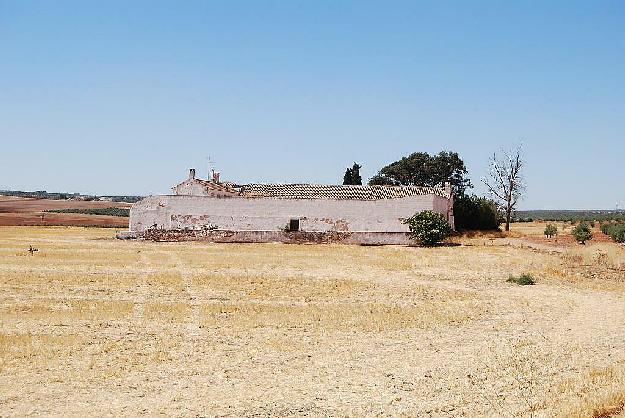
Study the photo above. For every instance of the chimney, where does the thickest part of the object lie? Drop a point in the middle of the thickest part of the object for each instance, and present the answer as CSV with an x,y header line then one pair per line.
x,y
215,176
448,188
191,173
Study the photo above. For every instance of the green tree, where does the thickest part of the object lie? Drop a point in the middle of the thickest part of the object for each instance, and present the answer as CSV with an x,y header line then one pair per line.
x,y
423,169
473,213
428,227
617,233
352,175
551,230
582,233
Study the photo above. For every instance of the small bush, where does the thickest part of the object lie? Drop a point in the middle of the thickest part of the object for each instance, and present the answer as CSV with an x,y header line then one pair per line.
x,y
522,280
551,230
582,233
428,227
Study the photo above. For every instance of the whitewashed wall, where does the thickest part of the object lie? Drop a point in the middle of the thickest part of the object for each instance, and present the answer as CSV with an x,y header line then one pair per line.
x,y
271,214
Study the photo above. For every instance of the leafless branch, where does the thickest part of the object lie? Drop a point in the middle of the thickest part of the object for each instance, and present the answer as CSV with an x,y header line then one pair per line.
x,y
504,180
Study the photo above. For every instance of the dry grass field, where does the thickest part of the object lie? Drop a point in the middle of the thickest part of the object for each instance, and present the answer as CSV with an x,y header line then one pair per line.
x,y
93,325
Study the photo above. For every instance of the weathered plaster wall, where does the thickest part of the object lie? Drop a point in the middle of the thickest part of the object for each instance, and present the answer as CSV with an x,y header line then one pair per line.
x,y
192,187
272,214
445,207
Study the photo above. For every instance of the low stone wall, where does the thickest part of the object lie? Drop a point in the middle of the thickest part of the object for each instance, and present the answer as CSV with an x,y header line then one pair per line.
x,y
301,237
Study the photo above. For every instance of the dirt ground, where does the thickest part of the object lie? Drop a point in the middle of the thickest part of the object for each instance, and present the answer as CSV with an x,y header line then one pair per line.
x,y
16,211
93,325
534,231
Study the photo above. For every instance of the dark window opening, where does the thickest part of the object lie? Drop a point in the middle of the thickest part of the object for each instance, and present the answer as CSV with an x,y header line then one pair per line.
x,y
294,225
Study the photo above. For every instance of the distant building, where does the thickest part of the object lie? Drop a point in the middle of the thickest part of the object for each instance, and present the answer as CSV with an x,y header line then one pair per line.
x,y
265,212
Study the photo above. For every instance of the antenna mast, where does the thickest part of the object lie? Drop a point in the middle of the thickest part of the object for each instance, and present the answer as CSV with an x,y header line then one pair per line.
x,y
209,165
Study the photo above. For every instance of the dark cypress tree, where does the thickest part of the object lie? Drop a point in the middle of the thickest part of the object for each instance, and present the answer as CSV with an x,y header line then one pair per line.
x,y
352,175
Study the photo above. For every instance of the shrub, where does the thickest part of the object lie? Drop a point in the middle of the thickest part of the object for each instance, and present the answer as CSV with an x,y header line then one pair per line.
x,y
428,227
617,232
551,230
582,233
522,280
475,213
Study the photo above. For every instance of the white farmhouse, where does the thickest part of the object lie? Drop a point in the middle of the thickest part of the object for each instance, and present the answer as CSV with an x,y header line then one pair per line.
x,y
210,210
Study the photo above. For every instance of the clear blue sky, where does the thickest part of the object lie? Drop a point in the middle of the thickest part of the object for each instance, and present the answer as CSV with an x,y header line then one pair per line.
x,y
122,97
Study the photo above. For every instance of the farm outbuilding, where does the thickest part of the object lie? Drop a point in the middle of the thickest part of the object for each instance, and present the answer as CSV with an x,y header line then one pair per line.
x,y
211,210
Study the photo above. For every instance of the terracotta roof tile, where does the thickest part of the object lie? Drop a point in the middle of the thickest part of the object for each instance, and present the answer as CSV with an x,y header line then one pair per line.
x,y
337,192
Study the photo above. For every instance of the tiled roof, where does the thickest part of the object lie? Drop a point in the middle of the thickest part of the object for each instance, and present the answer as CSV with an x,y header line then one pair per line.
x,y
220,187
210,188
337,192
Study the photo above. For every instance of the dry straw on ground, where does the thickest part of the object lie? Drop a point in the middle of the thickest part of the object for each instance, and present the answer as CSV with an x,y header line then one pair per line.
x,y
94,325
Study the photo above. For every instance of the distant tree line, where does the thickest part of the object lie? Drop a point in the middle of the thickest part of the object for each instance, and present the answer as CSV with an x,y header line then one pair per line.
x,y
42,194
569,215
122,212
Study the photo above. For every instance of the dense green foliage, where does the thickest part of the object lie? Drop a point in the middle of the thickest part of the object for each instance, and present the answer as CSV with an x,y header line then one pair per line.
x,y
428,228
582,233
551,230
122,212
423,169
352,175
522,280
473,213
616,231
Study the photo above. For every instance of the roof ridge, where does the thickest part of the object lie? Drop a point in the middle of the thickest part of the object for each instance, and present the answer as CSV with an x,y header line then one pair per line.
x,y
338,191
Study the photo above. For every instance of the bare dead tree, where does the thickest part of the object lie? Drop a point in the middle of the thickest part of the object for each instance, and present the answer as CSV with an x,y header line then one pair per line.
x,y
505,180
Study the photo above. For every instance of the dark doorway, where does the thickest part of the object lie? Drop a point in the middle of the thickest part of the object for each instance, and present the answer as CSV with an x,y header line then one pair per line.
x,y
294,225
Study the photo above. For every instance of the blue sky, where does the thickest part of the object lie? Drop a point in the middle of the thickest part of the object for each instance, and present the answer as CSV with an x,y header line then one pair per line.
x,y
122,97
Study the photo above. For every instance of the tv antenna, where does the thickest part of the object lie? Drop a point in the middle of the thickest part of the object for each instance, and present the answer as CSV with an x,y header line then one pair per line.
x,y
210,165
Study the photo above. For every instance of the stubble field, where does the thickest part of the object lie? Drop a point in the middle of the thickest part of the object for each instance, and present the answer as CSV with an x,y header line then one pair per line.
x,y
93,325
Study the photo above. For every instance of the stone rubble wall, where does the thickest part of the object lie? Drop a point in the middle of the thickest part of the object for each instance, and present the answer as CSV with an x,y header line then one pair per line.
x,y
329,237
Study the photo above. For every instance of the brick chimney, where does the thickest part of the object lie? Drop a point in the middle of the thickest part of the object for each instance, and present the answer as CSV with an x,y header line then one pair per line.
x,y
191,173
